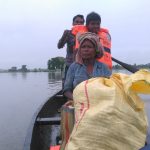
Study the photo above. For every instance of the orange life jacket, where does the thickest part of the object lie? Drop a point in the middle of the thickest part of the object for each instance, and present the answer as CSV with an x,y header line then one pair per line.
x,y
105,40
57,147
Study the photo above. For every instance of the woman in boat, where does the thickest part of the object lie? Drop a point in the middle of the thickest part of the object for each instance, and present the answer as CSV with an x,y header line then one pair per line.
x,y
86,65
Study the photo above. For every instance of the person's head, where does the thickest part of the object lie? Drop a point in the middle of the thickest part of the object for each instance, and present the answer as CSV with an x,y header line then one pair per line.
x,y
78,20
89,47
93,21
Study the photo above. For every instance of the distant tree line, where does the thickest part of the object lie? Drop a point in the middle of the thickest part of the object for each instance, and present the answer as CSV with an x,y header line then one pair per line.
x,y
141,66
56,63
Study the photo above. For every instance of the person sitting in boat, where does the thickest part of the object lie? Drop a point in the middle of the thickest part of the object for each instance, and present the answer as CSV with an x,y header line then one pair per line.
x,y
86,65
69,39
93,24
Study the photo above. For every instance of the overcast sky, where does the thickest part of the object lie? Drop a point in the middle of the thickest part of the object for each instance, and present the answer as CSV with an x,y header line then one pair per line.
x,y
30,29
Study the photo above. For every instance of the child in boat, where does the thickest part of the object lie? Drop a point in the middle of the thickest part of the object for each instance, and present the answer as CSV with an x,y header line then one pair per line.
x,y
68,38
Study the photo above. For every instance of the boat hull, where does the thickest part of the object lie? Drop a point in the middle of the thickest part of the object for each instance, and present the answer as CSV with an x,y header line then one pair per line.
x,y
44,130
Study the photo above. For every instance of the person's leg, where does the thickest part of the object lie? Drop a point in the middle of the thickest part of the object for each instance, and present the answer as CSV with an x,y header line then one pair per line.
x,y
66,69
64,78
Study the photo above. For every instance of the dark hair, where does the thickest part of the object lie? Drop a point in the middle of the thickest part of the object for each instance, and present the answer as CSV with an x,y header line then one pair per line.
x,y
80,16
93,16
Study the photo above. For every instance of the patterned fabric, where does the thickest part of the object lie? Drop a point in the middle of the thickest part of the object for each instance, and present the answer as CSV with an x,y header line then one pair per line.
x,y
94,39
78,73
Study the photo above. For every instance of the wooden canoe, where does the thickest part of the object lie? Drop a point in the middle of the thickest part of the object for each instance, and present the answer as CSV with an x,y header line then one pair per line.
x,y
45,125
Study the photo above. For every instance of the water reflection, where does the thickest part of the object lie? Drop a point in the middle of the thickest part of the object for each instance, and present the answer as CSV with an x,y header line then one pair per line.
x,y
54,76
24,75
54,81
14,74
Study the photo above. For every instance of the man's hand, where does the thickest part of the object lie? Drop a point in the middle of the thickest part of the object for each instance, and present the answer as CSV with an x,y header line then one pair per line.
x,y
65,35
63,39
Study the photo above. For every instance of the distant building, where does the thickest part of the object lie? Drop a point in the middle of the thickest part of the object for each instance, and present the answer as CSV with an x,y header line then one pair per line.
x,y
13,69
23,68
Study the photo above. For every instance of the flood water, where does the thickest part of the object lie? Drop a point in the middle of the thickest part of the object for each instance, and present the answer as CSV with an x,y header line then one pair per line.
x,y
20,96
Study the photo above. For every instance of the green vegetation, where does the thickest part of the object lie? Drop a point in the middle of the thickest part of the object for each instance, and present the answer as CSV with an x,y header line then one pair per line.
x,y
141,66
56,63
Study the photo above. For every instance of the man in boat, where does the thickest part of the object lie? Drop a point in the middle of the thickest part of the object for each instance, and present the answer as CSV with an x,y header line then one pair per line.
x,y
93,24
69,39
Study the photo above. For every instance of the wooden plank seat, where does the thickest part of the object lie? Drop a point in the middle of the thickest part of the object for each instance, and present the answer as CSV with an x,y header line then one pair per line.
x,y
48,121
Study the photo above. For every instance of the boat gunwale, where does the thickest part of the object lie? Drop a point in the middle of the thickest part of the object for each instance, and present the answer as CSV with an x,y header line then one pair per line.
x,y
29,135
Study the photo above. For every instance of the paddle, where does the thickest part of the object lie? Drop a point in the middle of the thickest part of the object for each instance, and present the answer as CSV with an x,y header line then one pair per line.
x,y
130,68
